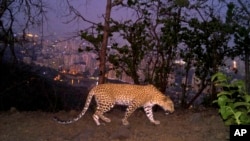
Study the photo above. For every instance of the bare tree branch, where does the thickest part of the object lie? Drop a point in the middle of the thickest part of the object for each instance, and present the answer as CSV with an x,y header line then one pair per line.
x,y
77,14
244,7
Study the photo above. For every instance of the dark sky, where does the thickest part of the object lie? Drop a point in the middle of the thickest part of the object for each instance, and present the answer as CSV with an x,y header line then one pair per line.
x,y
56,23
92,10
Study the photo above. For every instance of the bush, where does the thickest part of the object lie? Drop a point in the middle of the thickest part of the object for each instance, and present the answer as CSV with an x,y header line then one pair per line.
x,y
233,100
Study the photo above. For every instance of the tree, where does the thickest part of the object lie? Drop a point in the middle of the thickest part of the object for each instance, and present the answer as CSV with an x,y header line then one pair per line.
x,y
100,38
7,35
153,38
238,17
168,45
206,46
10,11
128,57
103,50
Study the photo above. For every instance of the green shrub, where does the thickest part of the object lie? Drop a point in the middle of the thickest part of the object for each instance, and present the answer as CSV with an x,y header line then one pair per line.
x,y
233,100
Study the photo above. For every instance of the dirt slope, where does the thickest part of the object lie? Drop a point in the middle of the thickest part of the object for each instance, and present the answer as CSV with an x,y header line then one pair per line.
x,y
182,125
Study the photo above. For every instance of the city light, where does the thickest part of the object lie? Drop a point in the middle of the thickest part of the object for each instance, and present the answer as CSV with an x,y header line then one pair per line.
x,y
180,62
31,35
64,71
58,77
234,64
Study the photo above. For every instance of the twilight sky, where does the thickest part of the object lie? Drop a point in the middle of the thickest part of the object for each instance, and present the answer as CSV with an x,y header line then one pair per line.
x,y
92,10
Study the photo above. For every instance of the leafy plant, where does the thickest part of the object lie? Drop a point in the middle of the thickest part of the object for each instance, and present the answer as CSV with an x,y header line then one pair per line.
x,y
233,100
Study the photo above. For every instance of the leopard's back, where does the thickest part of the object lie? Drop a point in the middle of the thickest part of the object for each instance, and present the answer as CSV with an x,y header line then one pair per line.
x,y
122,94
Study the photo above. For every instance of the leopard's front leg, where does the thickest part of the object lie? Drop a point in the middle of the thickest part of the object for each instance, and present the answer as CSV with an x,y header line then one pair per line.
x,y
149,112
131,108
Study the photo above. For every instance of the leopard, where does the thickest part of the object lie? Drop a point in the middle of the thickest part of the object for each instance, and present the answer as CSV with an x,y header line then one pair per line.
x,y
130,95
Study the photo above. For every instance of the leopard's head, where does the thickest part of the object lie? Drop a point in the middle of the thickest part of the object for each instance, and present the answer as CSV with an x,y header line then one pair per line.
x,y
167,104
162,100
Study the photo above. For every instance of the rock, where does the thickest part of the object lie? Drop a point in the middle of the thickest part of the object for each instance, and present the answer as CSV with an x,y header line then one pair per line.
x,y
73,112
221,136
13,110
85,135
121,133
197,128
196,118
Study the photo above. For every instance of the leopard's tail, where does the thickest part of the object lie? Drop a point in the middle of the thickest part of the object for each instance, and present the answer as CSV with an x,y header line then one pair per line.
x,y
86,106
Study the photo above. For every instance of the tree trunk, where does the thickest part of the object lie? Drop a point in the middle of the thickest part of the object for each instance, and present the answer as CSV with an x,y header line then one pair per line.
x,y
102,65
184,87
247,79
203,86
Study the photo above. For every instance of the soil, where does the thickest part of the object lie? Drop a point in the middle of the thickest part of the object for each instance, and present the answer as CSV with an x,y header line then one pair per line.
x,y
182,125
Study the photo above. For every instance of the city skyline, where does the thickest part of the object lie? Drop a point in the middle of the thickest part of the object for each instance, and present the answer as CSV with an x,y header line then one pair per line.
x,y
65,56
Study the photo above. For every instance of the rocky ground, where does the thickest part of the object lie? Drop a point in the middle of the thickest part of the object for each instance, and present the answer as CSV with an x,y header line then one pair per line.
x,y
182,125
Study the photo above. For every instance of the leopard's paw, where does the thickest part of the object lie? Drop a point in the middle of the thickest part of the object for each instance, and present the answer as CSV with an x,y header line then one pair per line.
x,y
125,122
156,122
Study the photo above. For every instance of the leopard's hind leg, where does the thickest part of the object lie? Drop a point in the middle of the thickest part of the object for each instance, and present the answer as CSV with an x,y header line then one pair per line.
x,y
100,110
